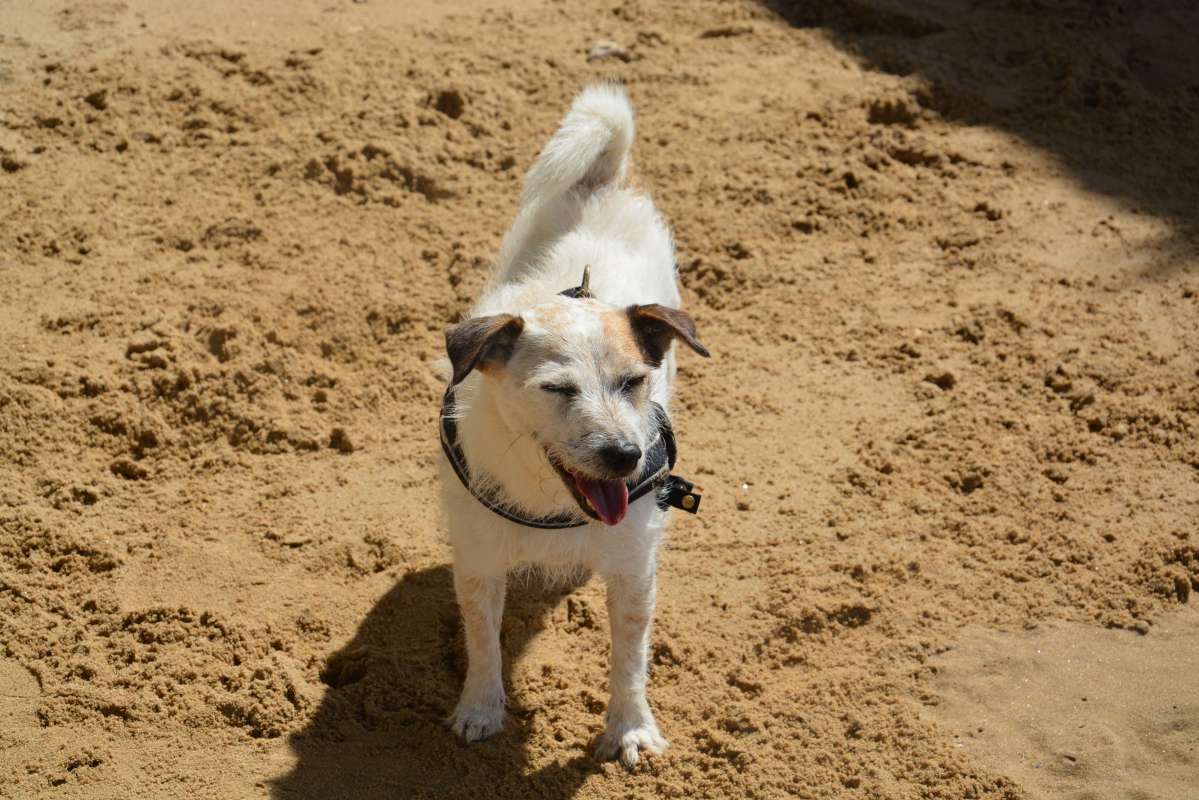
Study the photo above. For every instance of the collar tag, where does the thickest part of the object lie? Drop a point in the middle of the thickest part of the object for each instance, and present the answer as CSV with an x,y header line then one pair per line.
x,y
680,493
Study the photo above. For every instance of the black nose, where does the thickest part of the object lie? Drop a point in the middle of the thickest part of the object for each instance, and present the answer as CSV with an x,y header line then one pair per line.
x,y
620,457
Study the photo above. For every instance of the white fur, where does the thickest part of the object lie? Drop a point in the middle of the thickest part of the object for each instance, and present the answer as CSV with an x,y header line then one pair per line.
x,y
575,211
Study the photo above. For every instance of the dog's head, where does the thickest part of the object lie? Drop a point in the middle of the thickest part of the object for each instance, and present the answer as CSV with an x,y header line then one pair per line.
x,y
575,375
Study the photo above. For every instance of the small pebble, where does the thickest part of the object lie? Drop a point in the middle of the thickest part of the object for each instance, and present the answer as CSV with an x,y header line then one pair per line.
x,y
605,49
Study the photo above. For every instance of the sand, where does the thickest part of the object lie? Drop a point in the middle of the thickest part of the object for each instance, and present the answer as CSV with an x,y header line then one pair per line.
x,y
945,257
1076,712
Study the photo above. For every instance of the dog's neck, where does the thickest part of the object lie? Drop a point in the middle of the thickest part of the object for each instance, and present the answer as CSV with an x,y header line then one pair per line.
x,y
508,462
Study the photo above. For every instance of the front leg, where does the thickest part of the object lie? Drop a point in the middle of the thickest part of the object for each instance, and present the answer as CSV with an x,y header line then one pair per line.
x,y
480,710
630,725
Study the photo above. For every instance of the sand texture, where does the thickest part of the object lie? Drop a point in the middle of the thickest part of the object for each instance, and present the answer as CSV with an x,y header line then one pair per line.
x,y
944,253
1078,713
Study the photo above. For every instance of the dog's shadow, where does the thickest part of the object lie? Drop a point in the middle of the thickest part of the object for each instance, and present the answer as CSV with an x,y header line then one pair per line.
x,y
379,731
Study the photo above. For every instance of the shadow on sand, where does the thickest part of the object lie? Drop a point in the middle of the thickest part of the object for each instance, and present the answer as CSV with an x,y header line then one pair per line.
x,y
1109,87
379,730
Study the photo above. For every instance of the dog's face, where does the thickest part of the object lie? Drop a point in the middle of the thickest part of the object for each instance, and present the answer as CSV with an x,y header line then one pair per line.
x,y
574,375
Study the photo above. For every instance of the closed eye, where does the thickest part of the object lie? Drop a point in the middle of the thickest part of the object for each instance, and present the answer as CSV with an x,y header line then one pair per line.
x,y
630,383
567,390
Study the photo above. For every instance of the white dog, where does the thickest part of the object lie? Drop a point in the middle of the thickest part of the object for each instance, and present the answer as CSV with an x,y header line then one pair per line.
x,y
554,428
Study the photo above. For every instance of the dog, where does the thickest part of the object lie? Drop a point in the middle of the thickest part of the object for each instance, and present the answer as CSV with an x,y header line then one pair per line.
x,y
560,376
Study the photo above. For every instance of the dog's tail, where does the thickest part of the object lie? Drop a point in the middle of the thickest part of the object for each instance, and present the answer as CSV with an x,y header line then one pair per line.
x,y
590,148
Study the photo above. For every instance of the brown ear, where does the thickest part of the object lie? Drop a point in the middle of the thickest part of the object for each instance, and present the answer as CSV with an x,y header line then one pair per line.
x,y
655,327
481,341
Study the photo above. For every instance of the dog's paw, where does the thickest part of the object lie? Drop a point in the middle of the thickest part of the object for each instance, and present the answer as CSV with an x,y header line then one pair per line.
x,y
476,722
626,740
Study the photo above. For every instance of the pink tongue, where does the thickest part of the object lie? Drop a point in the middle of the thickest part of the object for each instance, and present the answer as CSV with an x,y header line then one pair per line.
x,y
609,498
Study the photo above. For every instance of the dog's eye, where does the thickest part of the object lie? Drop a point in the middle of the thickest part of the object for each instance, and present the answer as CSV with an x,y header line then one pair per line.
x,y
630,383
567,390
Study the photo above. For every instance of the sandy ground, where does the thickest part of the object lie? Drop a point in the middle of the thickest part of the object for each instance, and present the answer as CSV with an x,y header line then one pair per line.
x,y
945,256
1078,712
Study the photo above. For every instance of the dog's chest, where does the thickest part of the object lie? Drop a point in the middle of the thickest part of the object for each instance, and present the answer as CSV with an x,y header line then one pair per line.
x,y
626,548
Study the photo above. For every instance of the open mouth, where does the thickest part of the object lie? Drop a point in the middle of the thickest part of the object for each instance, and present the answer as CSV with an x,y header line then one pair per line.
x,y
607,500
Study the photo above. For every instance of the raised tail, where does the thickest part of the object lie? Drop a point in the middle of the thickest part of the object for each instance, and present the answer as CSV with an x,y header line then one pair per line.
x,y
590,148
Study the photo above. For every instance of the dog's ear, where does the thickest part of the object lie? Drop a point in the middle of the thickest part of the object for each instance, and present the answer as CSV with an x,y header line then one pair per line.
x,y
655,327
482,341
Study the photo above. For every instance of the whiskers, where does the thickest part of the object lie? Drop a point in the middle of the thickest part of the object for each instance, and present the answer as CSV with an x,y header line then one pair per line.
x,y
511,444
549,454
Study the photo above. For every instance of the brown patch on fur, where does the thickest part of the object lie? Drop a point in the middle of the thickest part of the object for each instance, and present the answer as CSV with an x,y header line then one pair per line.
x,y
655,327
619,334
555,317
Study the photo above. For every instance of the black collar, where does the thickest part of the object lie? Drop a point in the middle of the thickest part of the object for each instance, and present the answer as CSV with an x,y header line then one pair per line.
x,y
654,475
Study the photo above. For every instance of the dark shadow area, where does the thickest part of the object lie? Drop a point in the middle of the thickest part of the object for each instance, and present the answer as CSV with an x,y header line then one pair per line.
x,y
1110,87
379,731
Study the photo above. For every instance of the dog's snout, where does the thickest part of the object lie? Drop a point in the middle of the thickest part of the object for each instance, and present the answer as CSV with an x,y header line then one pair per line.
x,y
621,457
